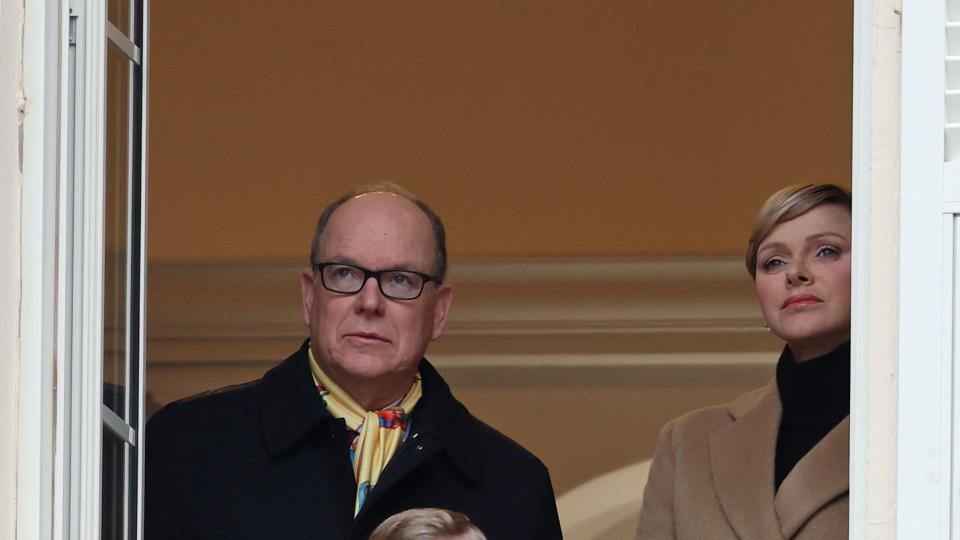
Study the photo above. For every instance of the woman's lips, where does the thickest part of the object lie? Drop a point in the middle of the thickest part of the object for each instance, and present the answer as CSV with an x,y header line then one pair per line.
x,y
800,300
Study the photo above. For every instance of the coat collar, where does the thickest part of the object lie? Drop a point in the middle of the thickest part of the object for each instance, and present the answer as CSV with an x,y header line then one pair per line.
x,y
291,409
290,406
817,479
743,474
441,416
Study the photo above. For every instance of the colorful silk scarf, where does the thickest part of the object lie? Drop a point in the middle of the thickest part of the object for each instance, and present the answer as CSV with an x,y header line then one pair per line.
x,y
371,449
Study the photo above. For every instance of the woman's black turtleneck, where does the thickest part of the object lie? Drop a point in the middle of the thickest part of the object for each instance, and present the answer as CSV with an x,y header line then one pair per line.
x,y
816,396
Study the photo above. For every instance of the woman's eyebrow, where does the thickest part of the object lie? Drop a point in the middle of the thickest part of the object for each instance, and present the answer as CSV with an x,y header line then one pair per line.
x,y
811,238
818,236
771,245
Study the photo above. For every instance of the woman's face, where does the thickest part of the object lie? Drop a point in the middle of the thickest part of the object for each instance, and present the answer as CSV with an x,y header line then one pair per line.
x,y
803,280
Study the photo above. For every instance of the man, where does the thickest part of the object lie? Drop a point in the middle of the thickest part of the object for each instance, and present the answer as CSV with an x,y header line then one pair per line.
x,y
355,426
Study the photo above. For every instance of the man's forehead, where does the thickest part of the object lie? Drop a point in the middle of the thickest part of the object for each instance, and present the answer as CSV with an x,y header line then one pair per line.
x,y
378,203
379,217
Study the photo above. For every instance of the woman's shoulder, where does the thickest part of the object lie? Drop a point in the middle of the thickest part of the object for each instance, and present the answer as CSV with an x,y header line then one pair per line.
x,y
709,419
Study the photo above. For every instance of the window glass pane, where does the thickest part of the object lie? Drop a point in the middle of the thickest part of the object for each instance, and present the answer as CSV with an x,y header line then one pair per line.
x,y
116,226
113,481
118,13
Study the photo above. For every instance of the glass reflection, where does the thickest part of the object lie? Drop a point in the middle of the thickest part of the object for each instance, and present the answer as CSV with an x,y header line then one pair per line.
x,y
116,227
112,488
118,13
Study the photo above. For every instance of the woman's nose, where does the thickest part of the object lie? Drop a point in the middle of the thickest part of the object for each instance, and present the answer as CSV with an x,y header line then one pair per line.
x,y
798,275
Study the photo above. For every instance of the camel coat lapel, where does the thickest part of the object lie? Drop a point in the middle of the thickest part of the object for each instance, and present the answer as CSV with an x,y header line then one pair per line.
x,y
743,473
712,478
819,478
741,461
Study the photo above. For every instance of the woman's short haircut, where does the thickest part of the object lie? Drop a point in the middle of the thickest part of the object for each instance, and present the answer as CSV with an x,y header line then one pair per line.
x,y
787,204
439,235
427,524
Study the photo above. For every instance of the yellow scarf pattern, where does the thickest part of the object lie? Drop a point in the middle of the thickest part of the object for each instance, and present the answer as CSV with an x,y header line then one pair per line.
x,y
379,433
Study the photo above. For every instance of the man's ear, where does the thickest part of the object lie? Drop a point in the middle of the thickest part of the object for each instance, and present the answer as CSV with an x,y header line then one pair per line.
x,y
306,293
441,309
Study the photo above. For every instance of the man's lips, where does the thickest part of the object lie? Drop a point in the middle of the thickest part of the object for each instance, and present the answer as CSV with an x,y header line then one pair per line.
x,y
800,300
367,337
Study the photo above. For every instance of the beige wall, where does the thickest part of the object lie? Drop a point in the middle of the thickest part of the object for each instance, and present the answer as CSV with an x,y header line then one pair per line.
x,y
537,129
550,353
591,132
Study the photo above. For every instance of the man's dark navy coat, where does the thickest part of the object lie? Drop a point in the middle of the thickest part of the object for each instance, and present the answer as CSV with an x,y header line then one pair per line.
x,y
266,460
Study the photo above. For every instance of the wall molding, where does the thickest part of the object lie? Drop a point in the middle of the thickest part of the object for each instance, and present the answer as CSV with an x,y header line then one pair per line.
x,y
698,311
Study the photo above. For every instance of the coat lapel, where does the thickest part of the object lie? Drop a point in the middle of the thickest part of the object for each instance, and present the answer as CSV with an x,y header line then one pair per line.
x,y
743,473
439,423
817,479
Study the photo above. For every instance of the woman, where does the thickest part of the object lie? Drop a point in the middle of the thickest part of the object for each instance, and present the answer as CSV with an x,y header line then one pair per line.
x,y
773,463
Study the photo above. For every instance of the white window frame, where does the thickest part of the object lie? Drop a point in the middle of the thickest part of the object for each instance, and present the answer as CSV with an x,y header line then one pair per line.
x,y
40,162
924,374
60,418
902,477
59,462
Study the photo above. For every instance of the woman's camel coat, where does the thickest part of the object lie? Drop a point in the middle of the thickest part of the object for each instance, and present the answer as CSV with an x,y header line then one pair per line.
x,y
712,478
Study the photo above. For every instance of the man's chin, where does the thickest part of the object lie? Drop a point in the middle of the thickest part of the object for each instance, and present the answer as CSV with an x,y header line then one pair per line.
x,y
373,369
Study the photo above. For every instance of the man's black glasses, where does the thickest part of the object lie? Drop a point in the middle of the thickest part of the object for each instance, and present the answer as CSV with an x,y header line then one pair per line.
x,y
349,279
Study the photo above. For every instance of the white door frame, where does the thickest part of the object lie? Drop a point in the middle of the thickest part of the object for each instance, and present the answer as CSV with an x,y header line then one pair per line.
x,y
901,453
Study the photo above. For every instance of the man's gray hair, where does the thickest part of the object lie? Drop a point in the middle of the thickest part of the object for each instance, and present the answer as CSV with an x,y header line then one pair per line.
x,y
439,235
427,524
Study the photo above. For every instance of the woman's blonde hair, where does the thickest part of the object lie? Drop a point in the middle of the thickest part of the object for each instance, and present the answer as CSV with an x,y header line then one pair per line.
x,y
427,524
787,204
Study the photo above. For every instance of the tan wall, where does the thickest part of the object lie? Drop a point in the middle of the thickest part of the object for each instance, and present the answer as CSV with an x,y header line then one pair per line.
x,y
537,129
580,362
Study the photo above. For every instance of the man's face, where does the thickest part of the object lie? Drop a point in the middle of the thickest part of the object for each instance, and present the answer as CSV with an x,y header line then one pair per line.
x,y
366,341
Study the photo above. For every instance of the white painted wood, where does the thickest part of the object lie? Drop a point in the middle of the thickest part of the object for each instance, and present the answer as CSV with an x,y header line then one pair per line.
x,y
953,72
951,347
39,159
117,426
142,276
87,308
876,103
860,292
123,42
11,21
63,450
924,392
951,187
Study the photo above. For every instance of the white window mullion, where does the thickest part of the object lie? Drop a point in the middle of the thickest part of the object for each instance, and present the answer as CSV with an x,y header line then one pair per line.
x,y
924,373
64,482
140,346
37,318
88,249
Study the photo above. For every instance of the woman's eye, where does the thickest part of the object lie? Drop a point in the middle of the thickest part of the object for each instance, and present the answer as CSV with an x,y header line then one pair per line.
x,y
828,251
772,264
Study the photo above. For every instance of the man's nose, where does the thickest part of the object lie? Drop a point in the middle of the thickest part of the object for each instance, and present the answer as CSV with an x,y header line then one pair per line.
x,y
370,299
